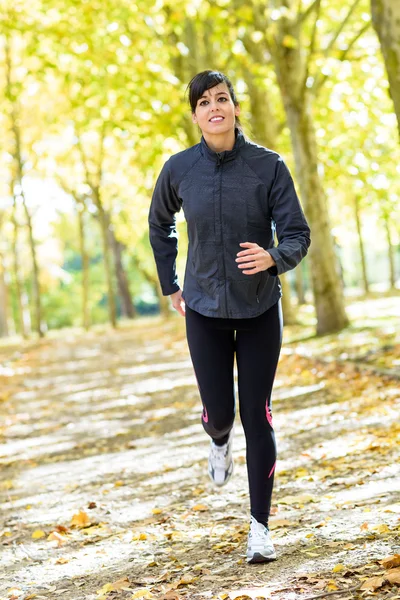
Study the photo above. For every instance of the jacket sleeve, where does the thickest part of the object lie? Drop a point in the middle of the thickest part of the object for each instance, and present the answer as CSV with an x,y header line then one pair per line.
x,y
162,230
291,226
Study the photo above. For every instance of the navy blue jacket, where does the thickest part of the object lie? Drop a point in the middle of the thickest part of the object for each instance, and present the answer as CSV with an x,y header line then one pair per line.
x,y
239,195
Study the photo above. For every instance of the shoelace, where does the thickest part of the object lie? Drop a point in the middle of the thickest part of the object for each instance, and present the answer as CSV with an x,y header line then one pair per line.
x,y
219,454
259,533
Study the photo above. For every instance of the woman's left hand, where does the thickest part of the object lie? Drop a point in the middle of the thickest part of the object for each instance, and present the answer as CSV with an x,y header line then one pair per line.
x,y
254,258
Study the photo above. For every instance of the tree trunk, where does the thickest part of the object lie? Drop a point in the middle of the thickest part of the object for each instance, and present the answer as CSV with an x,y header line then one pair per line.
x,y
127,307
3,301
361,243
104,226
326,284
386,21
19,168
392,268
85,266
23,318
37,308
301,298
289,317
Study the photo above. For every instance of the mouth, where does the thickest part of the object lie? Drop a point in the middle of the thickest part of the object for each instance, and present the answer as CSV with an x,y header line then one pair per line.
x,y
216,119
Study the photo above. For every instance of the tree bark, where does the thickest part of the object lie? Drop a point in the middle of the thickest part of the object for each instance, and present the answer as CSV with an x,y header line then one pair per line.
x,y
289,317
326,284
24,323
361,244
80,209
386,21
301,298
18,179
104,226
288,56
392,268
3,301
127,307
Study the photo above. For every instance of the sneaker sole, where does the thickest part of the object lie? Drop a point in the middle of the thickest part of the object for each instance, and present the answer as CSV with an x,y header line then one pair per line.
x,y
259,558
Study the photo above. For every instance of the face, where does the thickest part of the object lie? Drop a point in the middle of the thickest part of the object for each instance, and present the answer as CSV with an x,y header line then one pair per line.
x,y
215,111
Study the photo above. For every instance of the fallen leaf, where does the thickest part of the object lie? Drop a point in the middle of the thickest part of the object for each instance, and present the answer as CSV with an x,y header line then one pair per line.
x,y
381,528
80,519
300,499
112,587
200,507
61,561
275,523
373,583
143,593
393,576
391,561
37,534
337,568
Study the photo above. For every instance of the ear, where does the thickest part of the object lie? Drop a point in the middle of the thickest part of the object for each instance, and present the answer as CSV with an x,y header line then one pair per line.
x,y
194,118
237,110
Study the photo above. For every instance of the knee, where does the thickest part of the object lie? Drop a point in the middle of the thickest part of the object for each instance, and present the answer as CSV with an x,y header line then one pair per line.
x,y
218,427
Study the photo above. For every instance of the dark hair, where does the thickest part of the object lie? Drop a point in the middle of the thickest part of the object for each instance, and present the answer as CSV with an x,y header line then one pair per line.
x,y
204,81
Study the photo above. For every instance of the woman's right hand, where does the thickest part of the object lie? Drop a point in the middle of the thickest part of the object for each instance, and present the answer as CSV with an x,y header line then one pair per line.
x,y
178,302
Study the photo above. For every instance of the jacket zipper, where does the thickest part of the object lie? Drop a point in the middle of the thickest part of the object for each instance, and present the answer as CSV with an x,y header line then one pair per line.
x,y
219,164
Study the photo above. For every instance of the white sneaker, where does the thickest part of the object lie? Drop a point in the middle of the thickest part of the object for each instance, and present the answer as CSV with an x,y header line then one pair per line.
x,y
259,546
220,462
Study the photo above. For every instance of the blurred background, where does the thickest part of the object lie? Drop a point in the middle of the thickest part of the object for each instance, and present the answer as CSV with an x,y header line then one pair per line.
x,y
93,103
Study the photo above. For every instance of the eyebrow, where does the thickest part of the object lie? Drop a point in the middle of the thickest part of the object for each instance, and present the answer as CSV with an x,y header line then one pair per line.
x,y
218,94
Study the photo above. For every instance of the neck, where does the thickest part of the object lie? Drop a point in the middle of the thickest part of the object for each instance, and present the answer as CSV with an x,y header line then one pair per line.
x,y
220,142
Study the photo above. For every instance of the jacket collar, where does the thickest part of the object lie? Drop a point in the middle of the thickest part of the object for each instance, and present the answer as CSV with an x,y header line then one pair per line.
x,y
226,154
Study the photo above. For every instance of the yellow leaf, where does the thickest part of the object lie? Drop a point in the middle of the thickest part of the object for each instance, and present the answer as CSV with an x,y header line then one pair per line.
x,y
38,533
300,499
381,528
275,523
200,507
332,586
186,580
118,483
113,587
62,560
156,511
139,536
80,519
143,593
337,568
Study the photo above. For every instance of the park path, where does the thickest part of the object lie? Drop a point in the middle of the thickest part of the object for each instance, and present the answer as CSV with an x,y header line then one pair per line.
x,y
104,490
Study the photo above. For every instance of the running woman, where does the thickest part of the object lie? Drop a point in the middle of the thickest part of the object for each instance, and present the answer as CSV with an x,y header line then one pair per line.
x,y
234,194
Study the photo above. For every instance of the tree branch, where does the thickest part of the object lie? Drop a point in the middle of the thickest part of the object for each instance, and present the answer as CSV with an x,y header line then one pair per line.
x,y
340,28
303,88
302,16
319,81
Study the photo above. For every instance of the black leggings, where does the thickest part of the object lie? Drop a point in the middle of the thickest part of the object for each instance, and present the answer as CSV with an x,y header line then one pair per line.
x,y
212,345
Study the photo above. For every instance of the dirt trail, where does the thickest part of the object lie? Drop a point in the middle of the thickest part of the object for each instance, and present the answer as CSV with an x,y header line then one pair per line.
x,y
108,423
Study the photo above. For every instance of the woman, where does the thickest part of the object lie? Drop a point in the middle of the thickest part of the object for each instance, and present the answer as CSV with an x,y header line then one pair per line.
x,y
234,194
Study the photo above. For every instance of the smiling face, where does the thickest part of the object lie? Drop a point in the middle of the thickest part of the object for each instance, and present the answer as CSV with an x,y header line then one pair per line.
x,y
215,111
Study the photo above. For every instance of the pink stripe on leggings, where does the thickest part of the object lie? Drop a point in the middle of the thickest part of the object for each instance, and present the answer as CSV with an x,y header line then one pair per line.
x,y
272,470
